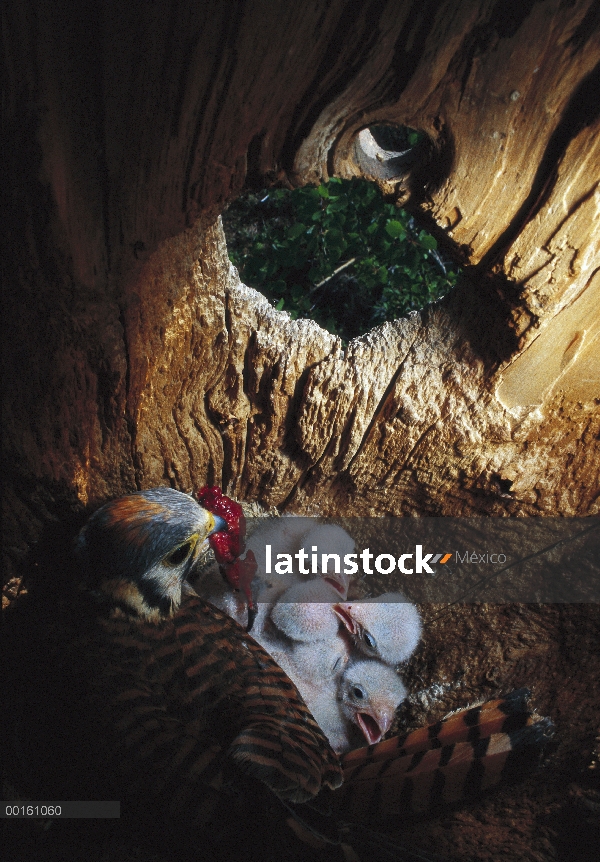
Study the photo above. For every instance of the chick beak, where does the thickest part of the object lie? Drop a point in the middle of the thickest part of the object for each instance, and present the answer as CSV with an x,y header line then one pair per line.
x,y
342,613
374,725
338,584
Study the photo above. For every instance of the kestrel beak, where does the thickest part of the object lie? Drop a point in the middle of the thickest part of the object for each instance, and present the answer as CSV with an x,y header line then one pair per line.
x,y
220,525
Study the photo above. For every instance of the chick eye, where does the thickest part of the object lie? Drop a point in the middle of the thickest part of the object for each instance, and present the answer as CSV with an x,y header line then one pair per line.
x,y
178,555
370,640
358,692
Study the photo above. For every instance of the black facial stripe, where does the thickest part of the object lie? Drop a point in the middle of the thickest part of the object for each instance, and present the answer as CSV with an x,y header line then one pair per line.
x,y
154,597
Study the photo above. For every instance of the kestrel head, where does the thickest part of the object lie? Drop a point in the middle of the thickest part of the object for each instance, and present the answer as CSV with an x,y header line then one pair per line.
x,y
139,549
369,694
387,628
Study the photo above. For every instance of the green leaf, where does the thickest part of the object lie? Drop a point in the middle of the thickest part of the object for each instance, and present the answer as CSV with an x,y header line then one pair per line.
x,y
428,241
336,205
295,231
395,228
292,240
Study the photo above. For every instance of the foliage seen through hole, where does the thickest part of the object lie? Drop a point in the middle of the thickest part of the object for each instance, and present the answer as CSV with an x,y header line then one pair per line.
x,y
338,254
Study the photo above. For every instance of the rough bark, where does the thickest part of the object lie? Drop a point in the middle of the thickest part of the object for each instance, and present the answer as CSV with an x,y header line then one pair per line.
x,y
135,357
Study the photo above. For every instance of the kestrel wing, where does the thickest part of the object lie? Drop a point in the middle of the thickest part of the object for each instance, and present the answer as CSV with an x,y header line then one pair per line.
x,y
194,699
415,774
467,725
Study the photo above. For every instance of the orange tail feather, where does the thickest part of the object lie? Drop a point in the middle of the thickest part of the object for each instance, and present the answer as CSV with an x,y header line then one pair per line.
x,y
457,758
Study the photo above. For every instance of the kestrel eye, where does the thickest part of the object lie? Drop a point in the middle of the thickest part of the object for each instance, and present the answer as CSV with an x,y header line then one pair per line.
x,y
178,555
370,640
358,692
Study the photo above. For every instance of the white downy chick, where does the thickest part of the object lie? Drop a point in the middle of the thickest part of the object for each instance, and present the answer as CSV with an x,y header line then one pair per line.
x,y
304,612
363,701
327,541
289,599
353,703
387,628
288,535
297,625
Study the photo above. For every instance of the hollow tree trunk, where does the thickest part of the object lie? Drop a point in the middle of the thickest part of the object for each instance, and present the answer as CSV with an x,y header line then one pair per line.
x,y
135,357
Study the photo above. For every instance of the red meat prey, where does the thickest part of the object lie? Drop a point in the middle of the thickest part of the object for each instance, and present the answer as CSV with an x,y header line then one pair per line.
x,y
229,544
